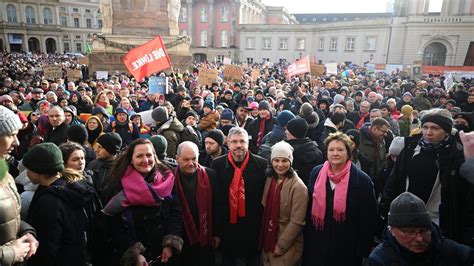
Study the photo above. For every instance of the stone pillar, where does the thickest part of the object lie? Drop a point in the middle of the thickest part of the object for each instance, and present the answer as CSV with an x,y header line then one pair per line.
x,y
190,20
426,7
210,19
233,18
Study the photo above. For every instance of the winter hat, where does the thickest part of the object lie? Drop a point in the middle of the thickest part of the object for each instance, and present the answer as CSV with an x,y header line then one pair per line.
x,y
307,112
360,93
225,129
354,135
227,114
22,117
283,117
407,210
407,110
209,104
444,121
111,142
100,110
397,145
407,94
191,113
77,133
338,98
120,110
282,150
264,105
253,105
298,127
217,135
9,121
160,114
337,118
160,144
44,158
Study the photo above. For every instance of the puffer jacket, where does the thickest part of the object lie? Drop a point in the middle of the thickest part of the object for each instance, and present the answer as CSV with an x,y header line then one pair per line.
x,y
171,130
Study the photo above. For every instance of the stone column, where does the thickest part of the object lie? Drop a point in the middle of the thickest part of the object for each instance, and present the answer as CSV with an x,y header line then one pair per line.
x,y
190,20
426,7
210,19
233,18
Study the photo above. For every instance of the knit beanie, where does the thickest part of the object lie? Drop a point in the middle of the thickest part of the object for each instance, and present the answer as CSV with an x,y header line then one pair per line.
x,y
209,104
160,114
397,145
298,127
191,113
160,144
337,118
77,133
407,110
9,121
120,110
445,122
282,150
407,210
354,135
283,117
225,129
111,142
44,158
217,135
227,114
307,113
407,94
264,105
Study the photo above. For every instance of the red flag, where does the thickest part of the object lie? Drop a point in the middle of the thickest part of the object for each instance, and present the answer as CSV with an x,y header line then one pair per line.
x,y
299,67
147,59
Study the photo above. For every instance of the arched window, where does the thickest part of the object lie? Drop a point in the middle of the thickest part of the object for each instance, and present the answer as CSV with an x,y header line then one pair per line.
x,y
47,16
11,14
203,38
30,15
224,40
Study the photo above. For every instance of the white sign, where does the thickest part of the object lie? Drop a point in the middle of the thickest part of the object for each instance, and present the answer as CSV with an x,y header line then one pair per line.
x,y
331,68
102,75
227,61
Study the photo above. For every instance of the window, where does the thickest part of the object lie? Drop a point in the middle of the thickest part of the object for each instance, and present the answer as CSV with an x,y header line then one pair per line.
x,y
76,23
75,9
66,36
183,14
333,46
183,33
88,11
66,47
249,60
203,14
224,39
300,44
63,21
11,14
350,43
370,43
321,44
220,58
78,47
224,14
89,23
30,15
266,44
47,16
78,37
283,44
250,43
62,9
203,38
100,23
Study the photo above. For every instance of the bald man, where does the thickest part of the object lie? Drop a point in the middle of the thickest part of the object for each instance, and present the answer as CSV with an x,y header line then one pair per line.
x,y
197,190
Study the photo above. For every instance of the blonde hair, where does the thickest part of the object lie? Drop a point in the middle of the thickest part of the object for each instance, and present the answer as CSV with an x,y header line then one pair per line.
x,y
72,175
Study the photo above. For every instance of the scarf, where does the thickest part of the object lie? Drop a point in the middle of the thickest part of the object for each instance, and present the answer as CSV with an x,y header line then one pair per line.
x,y
204,205
341,179
102,104
237,189
427,146
271,213
261,131
362,119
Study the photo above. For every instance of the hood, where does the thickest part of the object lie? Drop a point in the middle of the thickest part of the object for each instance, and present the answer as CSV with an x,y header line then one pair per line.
x,y
173,124
76,194
329,123
100,110
100,128
277,134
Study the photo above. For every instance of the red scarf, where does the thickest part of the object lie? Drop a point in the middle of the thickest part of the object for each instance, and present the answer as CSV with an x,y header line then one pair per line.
x,y
204,205
362,119
271,213
318,211
237,189
261,130
103,104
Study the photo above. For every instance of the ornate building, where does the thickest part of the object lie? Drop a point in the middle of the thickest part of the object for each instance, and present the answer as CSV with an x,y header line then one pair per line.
x,y
48,26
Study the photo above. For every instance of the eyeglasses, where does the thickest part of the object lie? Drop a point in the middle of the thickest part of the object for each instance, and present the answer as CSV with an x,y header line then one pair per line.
x,y
235,142
34,114
412,232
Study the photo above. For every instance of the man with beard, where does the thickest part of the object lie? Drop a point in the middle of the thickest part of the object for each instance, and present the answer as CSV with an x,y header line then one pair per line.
x,y
214,147
242,114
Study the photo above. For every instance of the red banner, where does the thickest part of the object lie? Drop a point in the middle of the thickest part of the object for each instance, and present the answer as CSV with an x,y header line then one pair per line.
x,y
147,59
299,67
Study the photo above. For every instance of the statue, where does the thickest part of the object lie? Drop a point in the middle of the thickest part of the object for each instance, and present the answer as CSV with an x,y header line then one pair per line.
x,y
107,14
174,7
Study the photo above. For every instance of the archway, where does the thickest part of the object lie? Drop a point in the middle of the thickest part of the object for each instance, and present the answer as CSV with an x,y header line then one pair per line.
x,y
51,46
199,57
33,45
435,54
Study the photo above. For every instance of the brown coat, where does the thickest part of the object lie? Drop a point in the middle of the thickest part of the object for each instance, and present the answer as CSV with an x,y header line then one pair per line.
x,y
293,204
209,122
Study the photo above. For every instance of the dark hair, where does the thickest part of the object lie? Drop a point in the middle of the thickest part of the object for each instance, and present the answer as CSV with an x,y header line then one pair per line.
x,y
379,122
270,172
68,148
339,136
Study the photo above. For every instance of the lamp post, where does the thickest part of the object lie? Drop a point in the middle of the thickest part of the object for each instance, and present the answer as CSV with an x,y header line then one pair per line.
x,y
230,54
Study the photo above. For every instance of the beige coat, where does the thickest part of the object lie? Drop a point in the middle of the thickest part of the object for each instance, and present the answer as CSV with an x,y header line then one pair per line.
x,y
293,204
9,219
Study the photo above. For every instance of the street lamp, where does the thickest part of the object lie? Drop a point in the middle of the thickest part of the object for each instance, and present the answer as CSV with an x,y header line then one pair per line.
x,y
230,54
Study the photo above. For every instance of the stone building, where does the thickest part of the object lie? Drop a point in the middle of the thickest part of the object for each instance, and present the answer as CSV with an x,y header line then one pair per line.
x,y
48,26
407,34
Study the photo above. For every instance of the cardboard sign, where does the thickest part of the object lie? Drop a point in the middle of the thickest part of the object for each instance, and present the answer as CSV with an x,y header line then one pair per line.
x,y
207,76
158,85
233,73
255,74
74,74
84,60
102,75
317,70
53,72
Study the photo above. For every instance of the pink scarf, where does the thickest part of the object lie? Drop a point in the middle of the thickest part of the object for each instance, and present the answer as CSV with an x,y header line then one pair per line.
x,y
341,179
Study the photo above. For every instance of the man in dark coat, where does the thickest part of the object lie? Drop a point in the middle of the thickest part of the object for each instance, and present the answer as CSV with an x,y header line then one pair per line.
x,y
122,125
258,128
214,147
57,133
241,181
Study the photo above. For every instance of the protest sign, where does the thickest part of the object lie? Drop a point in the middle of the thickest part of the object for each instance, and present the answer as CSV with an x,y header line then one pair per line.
x,y
147,59
102,75
317,70
331,68
207,76
158,85
227,61
255,74
299,67
233,73
74,74
53,72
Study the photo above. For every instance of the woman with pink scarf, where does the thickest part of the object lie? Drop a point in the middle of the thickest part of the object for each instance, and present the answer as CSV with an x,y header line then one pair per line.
x,y
141,207
342,210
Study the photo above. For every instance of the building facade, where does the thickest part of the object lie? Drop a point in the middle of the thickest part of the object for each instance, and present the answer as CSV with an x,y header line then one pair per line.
x,y
48,26
408,34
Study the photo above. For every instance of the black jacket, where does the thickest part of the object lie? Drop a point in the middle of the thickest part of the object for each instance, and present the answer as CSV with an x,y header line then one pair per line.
x,y
57,214
306,155
252,129
100,170
58,135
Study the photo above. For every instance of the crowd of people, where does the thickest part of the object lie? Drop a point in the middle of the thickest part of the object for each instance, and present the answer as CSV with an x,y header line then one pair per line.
x,y
366,168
